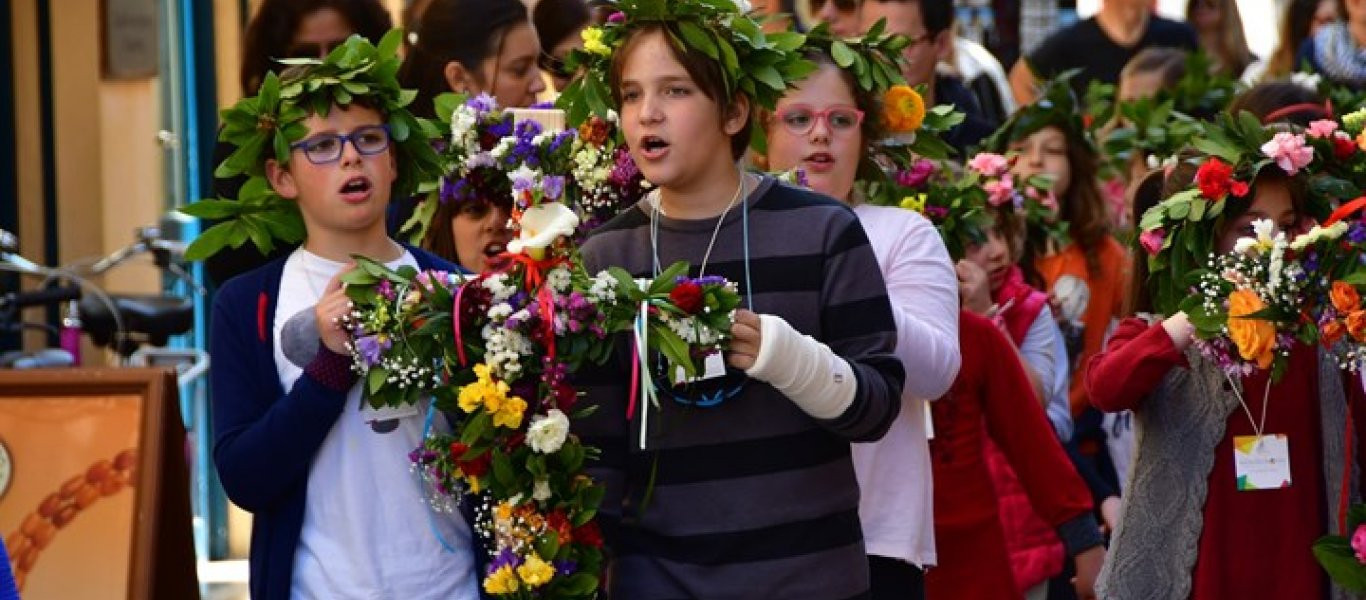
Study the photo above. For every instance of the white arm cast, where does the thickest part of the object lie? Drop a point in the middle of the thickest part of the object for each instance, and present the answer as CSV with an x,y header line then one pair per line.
x,y
817,380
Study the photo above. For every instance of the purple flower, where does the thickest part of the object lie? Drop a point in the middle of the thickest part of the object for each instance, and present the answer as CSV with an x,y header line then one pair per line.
x,y
553,186
617,17
565,568
543,105
371,348
482,103
505,558
501,128
1357,233
385,289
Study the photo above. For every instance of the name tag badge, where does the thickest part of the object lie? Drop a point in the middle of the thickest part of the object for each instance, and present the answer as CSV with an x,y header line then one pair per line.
x,y
388,413
712,367
1261,463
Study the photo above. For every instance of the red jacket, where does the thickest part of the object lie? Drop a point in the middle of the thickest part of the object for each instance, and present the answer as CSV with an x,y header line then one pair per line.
x,y
992,398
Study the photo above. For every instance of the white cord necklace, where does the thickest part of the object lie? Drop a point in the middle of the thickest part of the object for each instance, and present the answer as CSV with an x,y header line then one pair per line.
x,y
655,203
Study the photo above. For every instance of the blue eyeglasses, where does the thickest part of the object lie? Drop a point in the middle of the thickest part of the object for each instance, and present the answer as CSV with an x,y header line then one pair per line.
x,y
327,148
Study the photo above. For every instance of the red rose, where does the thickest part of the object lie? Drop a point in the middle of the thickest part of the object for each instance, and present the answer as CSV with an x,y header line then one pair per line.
x,y
1343,147
589,534
557,521
687,296
1215,178
471,468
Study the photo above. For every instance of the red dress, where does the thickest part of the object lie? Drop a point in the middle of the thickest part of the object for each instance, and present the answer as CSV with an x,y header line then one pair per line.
x,y
992,395
1254,544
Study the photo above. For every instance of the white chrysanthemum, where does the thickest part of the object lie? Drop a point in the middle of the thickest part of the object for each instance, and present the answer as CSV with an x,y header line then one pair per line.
x,y
548,432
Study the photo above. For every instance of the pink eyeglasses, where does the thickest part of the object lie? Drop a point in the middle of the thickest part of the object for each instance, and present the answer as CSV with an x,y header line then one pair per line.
x,y
800,119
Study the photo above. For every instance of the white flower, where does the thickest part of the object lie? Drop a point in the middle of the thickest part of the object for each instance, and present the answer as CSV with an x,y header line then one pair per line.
x,y
1309,81
1262,241
603,289
541,225
548,432
498,286
558,279
743,6
541,491
1317,234
500,312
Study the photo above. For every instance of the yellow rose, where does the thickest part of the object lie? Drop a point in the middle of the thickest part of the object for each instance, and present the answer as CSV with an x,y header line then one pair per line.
x,y
1253,336
535,572
1345,297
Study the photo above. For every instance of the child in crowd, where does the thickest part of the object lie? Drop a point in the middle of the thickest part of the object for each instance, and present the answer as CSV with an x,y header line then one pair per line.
x,y
824,127
742,484
292,443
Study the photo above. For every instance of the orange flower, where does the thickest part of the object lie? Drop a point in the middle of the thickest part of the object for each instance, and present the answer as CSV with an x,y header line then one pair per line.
x,y
1331,333
1253,336
1345,297
1356,325
903,110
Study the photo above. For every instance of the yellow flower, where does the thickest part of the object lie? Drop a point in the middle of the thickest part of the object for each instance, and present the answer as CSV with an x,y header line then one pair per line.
x,y
502,581
915,203
471,396
535,572
509,413
503,512
903,110
592,42
1253,336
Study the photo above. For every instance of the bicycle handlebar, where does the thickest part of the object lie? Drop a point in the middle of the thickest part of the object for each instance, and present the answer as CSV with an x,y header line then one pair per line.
x,y
40,297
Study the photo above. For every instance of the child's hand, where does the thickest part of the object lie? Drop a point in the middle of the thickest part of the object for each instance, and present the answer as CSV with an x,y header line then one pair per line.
x,y
1088,564
745,340
1180,330
330,309
974,289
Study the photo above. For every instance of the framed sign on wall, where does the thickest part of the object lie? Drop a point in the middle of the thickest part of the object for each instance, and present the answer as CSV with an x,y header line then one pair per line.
x,y
94,494
130,38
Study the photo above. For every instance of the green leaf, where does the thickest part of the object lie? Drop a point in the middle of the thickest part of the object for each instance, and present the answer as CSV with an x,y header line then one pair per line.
x,y
579,584
1336,556
770,77
548,545
209,242
1197,209
389,44
844,57
698,38
674,349
374,380
667,279
475,427
212,209
446,104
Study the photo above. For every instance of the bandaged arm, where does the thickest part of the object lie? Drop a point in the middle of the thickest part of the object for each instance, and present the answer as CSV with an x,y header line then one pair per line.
x,y
809,373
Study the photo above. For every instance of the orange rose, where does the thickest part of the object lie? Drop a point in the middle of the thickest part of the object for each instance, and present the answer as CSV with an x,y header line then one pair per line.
x,y
903,110
1345,297
1253,336
1331,333
1356,325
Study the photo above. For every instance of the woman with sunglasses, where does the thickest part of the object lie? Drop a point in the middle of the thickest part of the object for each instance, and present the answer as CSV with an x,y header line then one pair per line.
x,y
823,127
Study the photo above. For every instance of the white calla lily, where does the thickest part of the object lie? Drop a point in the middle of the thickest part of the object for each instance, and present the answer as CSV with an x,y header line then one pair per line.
x,y
540,226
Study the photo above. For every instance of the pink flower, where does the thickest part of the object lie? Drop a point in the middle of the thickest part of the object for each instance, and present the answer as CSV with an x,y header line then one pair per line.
x,y
989,164
1322,128
1289,151
1151,240
917,175
1359,543
1000,191
1046,199
617,17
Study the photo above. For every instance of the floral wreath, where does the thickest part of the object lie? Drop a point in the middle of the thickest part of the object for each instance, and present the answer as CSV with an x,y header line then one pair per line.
x,y
1057,106
264,127
1234,150
757,64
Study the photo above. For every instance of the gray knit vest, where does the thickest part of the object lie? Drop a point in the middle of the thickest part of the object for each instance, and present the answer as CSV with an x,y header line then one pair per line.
x,y
1153,551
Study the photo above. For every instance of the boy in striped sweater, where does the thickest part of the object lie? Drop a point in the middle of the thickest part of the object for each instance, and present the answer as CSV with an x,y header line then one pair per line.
x,y
744,487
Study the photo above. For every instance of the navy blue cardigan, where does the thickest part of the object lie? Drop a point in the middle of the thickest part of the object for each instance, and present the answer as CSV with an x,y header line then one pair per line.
x,y
265,439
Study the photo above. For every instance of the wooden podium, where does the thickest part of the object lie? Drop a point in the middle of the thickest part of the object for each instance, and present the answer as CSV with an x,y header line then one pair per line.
x,y
94,485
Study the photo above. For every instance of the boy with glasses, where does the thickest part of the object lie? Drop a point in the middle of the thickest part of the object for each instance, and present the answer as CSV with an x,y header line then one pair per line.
x,y
337,514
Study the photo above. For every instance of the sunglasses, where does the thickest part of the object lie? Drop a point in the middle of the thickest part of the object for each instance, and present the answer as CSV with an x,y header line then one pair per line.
x,y
327,148
554,66
800,119
844,6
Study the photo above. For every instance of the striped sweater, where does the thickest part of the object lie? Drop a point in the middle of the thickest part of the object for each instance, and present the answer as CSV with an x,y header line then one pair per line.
x,y
752,498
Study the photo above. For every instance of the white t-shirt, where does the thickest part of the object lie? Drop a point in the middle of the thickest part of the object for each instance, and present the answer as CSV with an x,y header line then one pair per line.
x,y
367,531
896,503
